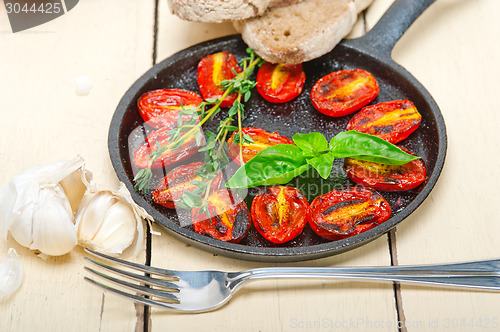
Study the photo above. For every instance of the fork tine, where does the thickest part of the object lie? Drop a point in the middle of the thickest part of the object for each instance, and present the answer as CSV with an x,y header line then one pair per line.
x,y
133,297
140,267
137,277
139,288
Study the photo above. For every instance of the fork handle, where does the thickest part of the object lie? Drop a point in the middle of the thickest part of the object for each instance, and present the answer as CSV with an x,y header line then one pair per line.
x,y
480,274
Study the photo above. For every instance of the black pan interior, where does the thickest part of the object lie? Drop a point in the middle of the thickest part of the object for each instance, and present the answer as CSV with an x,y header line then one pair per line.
x,y
298,116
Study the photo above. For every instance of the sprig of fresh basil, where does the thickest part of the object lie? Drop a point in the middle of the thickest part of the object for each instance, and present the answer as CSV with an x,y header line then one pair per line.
x,y
279,164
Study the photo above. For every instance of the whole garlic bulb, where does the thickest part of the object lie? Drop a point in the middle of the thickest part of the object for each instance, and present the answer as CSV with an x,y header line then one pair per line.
x,y
37,206
110,222
41,205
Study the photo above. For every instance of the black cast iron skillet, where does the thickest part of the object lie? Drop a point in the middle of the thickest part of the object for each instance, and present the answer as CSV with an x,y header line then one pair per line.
x,y
371,52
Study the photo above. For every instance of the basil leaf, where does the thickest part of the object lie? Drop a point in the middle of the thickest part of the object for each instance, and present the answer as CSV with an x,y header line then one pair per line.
x,y
277,164
368,147
323,164
312,142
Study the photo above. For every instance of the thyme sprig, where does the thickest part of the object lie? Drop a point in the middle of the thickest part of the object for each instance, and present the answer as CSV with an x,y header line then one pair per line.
x,y
215,147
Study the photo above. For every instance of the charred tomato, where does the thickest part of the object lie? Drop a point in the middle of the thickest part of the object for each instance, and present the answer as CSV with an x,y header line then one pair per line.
x,y
343,213
279,83
160,108
392,120
280,213
170,156
344,92
179,180
229,218
386,177
212,70
261,140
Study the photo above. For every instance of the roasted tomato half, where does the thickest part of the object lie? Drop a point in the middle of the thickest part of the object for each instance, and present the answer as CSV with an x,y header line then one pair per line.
x,y
160,108
170,156
171,187
386,177
229,218
392,120
280,213
343,213
212,70
344,92
279,83
261,140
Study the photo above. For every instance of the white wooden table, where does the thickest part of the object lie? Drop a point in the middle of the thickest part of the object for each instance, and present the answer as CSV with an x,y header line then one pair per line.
x,y
453,49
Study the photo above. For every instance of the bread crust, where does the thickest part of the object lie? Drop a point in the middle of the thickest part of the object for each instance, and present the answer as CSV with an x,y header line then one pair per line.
x,y
302,31
216,11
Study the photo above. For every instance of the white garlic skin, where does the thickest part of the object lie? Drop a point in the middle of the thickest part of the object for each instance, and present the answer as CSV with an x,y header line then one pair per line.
x,y
75,185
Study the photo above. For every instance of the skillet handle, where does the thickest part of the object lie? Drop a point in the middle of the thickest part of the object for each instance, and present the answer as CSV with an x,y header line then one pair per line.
x,y
393,24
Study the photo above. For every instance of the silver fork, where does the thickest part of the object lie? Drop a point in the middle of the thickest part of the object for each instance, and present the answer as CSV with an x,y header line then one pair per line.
x,y
199,291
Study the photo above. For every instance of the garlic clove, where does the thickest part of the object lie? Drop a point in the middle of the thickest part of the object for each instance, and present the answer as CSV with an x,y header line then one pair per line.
x,y
11,273
121,229
54,233
91,213
118,229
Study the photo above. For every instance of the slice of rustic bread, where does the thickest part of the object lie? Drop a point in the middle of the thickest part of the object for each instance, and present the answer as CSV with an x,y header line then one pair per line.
x,y
215,11
302,31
